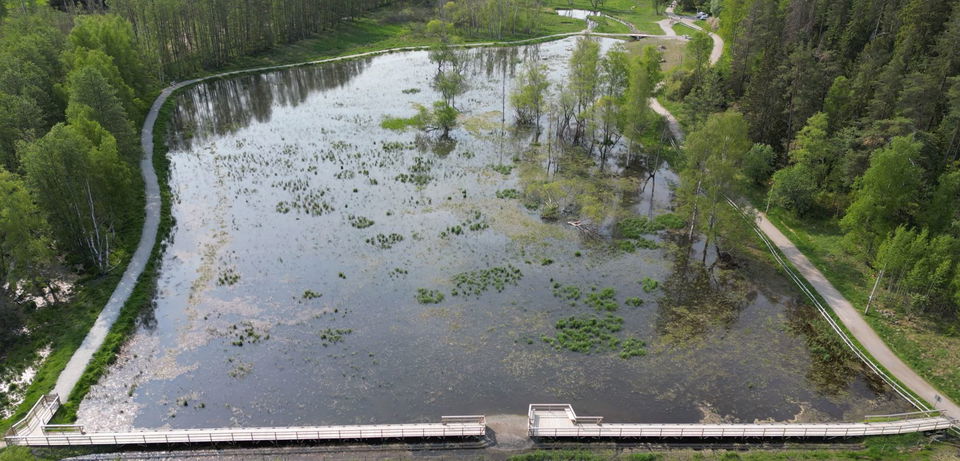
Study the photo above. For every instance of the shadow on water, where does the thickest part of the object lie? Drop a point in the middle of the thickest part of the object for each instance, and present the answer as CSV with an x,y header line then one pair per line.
x,y
698,299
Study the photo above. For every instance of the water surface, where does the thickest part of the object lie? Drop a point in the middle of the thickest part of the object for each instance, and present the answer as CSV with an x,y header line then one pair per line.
x,y
274,309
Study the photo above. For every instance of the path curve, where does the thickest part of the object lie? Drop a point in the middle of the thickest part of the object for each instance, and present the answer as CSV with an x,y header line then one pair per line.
x,y
848,315
715,54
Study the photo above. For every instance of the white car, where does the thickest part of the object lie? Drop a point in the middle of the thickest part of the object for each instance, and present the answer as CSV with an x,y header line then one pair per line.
x,y
702,15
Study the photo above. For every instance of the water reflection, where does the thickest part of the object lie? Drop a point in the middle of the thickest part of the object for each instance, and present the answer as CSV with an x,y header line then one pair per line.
x,y
227,105
697,300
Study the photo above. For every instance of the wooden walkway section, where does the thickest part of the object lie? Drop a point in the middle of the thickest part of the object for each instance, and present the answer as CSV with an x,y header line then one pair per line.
x,y
34,431
560,421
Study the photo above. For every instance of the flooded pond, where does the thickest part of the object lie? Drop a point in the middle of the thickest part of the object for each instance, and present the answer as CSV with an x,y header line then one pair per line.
x,y
311,245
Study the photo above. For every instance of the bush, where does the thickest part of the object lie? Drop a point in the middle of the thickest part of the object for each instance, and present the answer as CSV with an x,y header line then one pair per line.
x,y
758,163
794,188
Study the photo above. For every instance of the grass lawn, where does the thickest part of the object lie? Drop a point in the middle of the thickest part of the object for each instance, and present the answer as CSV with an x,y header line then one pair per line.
x,y
683,29
640,14
672,50
910,447
370,34
606,25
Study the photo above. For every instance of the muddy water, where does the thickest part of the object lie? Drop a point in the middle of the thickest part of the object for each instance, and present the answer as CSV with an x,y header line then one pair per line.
x,y
274,309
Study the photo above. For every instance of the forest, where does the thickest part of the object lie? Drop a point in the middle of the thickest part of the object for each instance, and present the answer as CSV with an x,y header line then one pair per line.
x,y
76,80
853,109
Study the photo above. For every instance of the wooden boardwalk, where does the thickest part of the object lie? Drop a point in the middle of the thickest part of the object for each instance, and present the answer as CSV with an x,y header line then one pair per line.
x,y
33,430
560,421
543,421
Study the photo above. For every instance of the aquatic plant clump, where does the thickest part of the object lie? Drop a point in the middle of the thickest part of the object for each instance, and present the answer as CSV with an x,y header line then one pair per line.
x,y
603,300
669,221
310,202
633,302
636,227
333,335
631,246
247,334
228,277
566,292
508,194
502,169
425,296
633,347
649,284
586,334
360,222
476,222
385,242
418,173
476,282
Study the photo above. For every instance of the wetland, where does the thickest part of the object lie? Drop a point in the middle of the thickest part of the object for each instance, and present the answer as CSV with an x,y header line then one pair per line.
x,y
328,266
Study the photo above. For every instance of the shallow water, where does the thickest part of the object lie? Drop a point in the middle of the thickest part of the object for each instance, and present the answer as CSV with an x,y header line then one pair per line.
x,y
267,171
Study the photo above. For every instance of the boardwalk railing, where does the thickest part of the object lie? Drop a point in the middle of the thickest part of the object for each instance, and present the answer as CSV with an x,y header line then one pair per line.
x,y
554,421
464,419
703,431
33,430
903,416
261,434
37,417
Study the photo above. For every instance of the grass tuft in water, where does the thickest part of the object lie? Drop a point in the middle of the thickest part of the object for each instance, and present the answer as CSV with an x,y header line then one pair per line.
x,y
476,282
633,347
508,194
385,242
502,169
360,222
649,284
586,334
425,296
603,300
333,335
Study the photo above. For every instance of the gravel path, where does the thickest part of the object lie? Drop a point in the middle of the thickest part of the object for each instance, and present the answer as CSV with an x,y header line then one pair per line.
x,y
855,323
850,317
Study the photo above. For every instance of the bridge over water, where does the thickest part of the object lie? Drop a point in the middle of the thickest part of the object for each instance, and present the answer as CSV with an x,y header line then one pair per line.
x,y
561,421
543,421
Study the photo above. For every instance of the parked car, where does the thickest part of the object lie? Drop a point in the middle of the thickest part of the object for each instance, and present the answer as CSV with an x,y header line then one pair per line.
x,y
702,15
